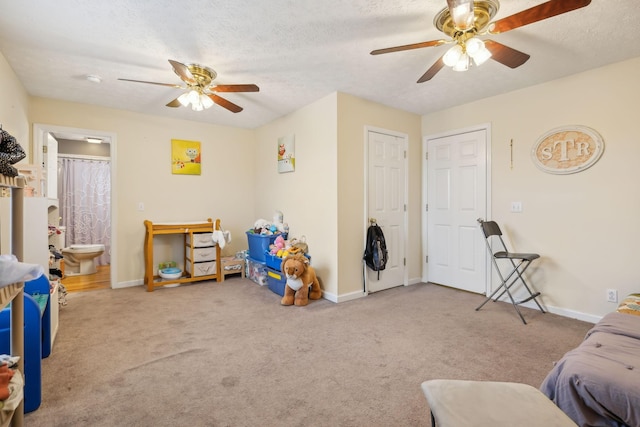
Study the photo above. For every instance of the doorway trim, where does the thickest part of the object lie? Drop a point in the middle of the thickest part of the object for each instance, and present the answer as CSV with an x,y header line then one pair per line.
x,y
40,132
425,214
365,219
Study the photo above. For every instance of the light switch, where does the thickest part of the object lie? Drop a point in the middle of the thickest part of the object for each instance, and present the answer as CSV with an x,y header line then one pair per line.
x,y
516,207
140,206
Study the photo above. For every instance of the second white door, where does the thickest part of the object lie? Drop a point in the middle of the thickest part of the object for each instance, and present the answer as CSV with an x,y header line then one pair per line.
x,y
456,196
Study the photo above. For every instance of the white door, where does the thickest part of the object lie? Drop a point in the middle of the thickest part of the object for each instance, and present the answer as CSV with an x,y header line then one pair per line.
x,y
456,198
386,195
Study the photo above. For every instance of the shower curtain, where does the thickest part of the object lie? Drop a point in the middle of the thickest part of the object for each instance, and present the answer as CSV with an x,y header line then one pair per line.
x,y
84,196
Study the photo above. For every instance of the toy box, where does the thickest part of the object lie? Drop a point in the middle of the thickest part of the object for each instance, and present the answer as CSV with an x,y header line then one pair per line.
x,y
275,262
257,271
259,244
276,281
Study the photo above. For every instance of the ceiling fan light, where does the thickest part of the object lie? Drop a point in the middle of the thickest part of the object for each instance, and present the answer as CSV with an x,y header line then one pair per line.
x,y
206,101
453,55
461,13
481,56
474,45
184,99
462,64
193,97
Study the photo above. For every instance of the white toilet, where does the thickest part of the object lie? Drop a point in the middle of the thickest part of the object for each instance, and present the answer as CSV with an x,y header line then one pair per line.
x,y
79,259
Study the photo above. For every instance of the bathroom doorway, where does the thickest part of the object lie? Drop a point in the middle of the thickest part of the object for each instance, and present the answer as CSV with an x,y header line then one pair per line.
x,y
51,144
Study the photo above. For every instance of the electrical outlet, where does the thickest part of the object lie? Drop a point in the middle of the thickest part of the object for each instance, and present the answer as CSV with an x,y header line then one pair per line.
x,y
516,207
612,295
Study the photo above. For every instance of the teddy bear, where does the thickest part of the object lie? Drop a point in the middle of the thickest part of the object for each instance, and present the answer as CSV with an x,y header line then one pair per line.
x,y
302,282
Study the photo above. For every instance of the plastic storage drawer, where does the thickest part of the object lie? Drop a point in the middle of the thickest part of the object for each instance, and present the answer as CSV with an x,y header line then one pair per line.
x,y
276,281
259,244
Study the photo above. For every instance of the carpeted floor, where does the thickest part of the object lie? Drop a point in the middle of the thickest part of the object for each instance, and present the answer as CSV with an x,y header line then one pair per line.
x,y
228,354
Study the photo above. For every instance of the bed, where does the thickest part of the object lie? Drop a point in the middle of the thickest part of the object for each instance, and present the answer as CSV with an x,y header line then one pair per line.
x,y
598,383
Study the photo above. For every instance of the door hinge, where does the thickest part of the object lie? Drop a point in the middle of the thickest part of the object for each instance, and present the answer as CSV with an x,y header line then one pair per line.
x,y
405,154
404,262
426,208
426,259
405,207
426,155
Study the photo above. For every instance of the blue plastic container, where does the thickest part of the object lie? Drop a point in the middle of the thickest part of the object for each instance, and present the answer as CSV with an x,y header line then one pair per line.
x,y
275,262
259,244
276,281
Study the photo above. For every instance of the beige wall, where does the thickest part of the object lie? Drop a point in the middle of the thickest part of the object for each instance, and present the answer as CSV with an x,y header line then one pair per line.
x,y
14,107
355,115
143,174
584,225
308,196
330,160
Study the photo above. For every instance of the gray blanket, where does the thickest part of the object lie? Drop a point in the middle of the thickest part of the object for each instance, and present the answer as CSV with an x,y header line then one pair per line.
x,y
598,383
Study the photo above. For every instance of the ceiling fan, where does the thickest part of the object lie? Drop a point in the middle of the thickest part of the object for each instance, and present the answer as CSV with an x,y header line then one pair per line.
x,y
464,20
199,90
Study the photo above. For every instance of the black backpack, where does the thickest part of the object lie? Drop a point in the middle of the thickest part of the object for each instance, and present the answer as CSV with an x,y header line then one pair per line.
x,y
375,253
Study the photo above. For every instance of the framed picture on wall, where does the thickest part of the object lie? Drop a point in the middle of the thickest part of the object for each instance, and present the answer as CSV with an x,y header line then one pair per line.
x,y
287,154
185,157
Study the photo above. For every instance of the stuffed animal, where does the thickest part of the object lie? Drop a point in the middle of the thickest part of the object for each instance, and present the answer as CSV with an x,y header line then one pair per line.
x,y
277,246
302,282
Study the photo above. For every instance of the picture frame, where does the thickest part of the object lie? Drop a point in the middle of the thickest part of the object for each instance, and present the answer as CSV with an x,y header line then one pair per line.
x,y
185,157
287,154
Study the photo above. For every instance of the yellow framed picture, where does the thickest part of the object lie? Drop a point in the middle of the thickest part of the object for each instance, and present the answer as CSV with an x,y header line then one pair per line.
x,y
185,157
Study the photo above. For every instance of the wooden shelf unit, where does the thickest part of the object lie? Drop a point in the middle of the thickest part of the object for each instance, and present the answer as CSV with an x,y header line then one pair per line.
x,y
15,293
186,229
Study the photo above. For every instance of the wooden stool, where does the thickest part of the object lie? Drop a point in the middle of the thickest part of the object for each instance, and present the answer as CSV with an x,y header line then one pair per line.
x,y
456,403
232,265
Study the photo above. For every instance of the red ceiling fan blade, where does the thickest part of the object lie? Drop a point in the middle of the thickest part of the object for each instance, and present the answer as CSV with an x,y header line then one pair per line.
x,y
183,72
235,88
224,103
408,47
506,55
535,14
153,83
432,71
174,104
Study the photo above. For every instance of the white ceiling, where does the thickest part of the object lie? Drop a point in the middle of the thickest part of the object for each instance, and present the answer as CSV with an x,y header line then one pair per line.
x,y
295,51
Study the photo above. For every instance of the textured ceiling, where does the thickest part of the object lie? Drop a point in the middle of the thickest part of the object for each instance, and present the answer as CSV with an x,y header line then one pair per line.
x,y
295,51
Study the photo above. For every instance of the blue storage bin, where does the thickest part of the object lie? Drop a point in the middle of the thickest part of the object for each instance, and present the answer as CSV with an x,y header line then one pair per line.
x,y
275,262
259,244
276,281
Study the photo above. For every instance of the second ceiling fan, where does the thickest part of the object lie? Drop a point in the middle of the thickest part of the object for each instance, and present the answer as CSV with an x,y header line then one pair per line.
x,y
199,88
464,20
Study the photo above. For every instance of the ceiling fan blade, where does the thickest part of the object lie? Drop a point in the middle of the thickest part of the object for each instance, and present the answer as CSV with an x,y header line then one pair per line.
x,y
174,104
535,14
506,55
408,47
461,12
235,88
432,71
183,72
153,83
224,103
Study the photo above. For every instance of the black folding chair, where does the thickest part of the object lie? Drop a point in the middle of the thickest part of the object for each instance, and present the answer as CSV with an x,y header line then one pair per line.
x,y
519,261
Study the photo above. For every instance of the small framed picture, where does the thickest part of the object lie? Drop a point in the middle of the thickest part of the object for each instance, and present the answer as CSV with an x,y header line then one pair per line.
x,y
287,154
185,157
